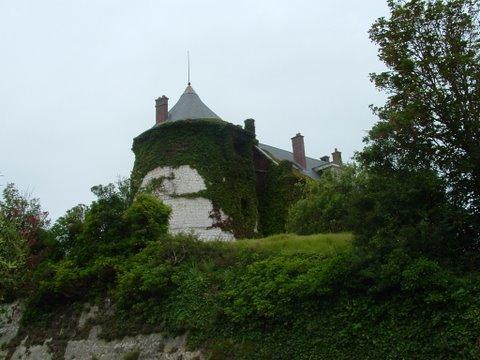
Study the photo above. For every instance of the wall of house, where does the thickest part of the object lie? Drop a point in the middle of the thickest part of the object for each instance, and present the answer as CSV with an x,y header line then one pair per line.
x,y
181,188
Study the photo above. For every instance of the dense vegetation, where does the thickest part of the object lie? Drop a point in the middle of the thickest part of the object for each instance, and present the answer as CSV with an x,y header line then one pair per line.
x,y
325,205
282,188
282,297
404,283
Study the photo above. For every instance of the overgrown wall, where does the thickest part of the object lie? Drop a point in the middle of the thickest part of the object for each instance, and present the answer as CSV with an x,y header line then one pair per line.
x,y
220,152
278,189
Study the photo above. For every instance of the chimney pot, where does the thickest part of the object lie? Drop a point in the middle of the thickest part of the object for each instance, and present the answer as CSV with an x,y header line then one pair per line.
x,y
298,147
250,125
161,110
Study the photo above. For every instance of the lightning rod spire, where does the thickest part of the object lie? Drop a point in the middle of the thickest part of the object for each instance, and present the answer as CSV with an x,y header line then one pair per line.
x,y
188,65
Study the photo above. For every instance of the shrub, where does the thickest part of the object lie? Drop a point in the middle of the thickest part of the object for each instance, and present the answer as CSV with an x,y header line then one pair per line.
x,y
95,242
325,204
147,217
151,275
273,288
409,210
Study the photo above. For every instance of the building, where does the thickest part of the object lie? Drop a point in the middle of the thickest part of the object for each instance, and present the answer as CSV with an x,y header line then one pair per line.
x,y
217,178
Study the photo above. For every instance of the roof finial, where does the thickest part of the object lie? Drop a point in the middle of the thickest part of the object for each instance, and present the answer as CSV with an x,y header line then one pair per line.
x,y
188,63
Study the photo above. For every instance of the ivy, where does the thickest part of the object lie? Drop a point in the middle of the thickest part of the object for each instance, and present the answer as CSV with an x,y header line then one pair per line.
x,y
221,152
281,189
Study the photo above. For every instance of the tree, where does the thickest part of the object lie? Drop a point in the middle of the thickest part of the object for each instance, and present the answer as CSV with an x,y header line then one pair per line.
x,y
13,257
22,226
431,120
68,227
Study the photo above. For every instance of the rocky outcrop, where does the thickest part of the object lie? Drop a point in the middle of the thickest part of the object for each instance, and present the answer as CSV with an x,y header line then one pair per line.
x,y
87,347
10,316
152,346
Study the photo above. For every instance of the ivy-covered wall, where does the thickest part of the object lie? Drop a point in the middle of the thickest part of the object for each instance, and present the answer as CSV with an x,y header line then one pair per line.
x,y
278,190
221,152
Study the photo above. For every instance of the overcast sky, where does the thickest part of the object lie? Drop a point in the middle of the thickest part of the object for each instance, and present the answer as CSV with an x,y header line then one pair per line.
x,y
78,80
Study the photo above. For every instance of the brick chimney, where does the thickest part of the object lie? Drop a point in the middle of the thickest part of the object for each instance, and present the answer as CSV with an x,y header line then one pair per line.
x,y
161,107
298,147
337,157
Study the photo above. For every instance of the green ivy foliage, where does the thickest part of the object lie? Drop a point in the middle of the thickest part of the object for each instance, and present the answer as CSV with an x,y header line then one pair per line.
x,y
221,152
283,187
244,305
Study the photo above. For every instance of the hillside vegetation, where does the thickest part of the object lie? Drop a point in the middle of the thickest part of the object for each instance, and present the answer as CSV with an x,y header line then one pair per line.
x,y
400,278
280,297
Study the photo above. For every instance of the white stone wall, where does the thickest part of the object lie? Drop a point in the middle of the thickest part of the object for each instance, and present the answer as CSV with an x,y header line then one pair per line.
x,y
10,315
190,213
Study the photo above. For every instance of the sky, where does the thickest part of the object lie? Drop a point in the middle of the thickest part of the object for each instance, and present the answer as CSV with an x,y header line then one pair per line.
x,y
78,80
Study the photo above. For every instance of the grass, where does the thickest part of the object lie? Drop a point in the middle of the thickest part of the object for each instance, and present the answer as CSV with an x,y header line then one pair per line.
x,y
327,244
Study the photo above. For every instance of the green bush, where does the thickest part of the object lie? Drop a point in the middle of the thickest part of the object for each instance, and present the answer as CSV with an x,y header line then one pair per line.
x,y
147,217
410,210
246,301
67,228
245,305
94,243
325,204
236,302
152,275
274,288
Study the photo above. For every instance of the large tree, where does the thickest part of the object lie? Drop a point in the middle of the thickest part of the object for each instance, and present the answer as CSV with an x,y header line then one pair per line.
x,y
431,120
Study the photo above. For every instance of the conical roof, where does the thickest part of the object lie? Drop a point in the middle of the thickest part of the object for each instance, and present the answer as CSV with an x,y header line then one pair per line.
x,y
189,106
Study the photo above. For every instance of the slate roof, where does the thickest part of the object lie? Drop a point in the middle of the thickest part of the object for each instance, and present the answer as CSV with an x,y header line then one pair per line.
x,y
189,106
280,154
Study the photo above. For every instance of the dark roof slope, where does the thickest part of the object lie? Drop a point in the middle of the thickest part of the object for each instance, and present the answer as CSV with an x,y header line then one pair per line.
x,y
281,154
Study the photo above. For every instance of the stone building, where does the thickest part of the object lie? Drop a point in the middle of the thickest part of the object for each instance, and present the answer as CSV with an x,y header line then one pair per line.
x,y
220,182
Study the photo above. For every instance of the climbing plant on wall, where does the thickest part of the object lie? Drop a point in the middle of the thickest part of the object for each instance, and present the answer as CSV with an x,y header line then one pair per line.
x,y
221,153
281,189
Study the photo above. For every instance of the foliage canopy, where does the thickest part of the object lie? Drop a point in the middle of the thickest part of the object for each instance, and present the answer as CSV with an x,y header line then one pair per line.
x,y
431,120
